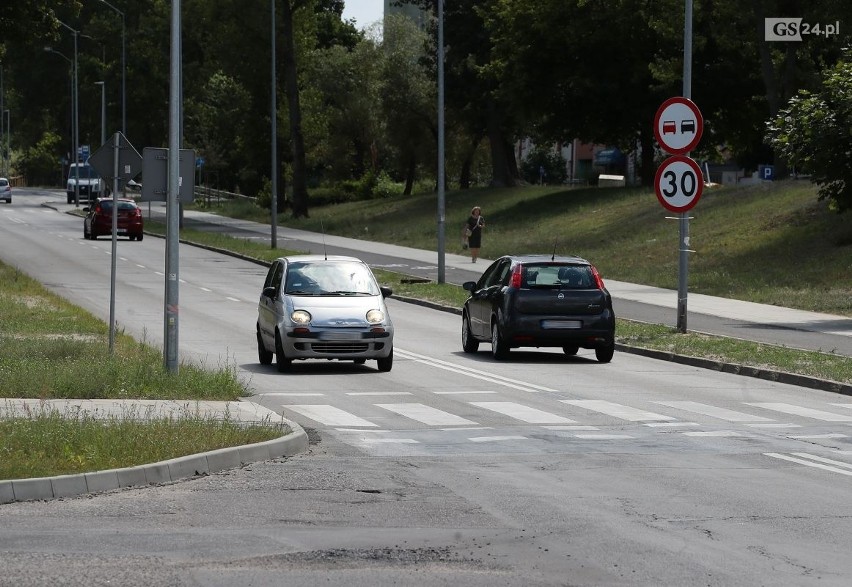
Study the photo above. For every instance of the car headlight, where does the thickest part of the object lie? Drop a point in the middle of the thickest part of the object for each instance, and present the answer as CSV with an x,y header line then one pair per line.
x,y
375,316
301,317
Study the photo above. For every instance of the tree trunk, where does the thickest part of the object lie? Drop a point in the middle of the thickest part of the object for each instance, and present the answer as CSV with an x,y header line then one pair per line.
x,y
291,88
646,146
409,175
504,169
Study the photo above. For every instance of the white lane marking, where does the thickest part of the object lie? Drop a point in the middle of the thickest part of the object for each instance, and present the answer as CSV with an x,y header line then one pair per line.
x,y
818,436
713,433
802,411
389,440
714,412
670,424
496,438
427,415
329,415
523,413
141,266
470,372
805,455
800,461
181,281
570,428
232,299
205,289
617,410
459,392
160,273
777,425
378,393
602,436
123,258
468,428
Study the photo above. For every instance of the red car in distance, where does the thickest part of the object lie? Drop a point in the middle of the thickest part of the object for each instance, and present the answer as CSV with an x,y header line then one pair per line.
x,y
98,220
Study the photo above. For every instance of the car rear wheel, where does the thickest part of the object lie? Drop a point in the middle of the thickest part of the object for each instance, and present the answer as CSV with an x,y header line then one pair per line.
x,y
499,347
570,350
469,343
385,364
263,355
281,361
604,354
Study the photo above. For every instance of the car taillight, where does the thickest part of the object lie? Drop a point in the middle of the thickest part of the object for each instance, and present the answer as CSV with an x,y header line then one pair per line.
x,y
516,276
598,279
138,212
98,209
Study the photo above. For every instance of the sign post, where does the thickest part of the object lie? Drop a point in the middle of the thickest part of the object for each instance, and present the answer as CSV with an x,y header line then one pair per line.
x,y
678,126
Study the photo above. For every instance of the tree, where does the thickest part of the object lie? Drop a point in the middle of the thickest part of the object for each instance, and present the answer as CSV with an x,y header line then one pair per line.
x,y
812,134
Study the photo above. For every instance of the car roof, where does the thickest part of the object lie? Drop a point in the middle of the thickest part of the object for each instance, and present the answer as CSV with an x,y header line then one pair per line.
x,y
119,199
317,258
549,258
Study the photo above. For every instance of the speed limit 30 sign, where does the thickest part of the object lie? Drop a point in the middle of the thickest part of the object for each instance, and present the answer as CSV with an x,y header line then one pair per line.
x,y
679,183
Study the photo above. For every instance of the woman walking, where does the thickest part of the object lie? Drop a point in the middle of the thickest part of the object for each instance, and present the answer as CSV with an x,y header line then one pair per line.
x,y
475,223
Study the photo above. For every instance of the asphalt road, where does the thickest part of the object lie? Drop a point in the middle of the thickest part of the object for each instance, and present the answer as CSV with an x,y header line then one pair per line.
x,y
450,469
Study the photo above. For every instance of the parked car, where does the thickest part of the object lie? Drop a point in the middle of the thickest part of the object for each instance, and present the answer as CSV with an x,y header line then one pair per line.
x,y
98,220
539,301
5,190
323,307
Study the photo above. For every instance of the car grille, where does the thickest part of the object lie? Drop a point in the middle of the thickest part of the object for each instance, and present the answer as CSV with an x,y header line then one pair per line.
x,y
340,347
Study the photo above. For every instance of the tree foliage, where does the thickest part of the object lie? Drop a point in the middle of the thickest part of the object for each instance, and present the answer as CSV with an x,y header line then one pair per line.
x,y
813,134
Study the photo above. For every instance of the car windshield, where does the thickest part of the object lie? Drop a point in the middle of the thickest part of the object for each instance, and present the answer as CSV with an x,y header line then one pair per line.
x,y
85,171
341,278
557,276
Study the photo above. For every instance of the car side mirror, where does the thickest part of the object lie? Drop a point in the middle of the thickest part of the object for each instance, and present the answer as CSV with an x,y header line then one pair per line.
x,y
386,291
469,285
86,209
269,292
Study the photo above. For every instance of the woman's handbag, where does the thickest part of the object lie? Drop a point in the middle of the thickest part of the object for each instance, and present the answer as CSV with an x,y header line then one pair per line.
x,y
466,232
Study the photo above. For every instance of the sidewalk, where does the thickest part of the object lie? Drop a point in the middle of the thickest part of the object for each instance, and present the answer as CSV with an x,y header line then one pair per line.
x,y
245,412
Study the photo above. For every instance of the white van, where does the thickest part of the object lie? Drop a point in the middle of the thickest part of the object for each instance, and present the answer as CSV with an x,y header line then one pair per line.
x,y
91,187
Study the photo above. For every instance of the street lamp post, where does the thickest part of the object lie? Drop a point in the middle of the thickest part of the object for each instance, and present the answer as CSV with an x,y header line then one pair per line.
x,y
103,111
74,134
76,119
123,70
8,159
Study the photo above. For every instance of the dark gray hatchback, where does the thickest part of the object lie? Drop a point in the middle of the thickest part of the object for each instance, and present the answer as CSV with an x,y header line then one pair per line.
x,y
539,301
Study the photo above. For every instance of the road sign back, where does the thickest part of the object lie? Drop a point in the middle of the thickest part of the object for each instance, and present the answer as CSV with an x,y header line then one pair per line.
x,y
129,160
678,125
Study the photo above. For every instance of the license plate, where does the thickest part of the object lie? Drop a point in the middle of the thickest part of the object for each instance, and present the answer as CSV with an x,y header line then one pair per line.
x,y
340,335
121,231
561,324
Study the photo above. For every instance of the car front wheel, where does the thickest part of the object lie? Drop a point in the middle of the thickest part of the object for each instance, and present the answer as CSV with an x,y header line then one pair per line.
x,y
570,350
469,343
281,361
499,347
263,355
385,364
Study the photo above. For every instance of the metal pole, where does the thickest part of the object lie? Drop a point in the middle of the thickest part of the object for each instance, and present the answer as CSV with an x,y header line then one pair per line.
x,y
274,131
441,205
170,354
2,126
103,111
683,258
76,119
123,69
115,166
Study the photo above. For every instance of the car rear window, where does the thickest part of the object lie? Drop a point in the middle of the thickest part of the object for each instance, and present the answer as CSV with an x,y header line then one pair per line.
x,y
4,182
557,276
106,206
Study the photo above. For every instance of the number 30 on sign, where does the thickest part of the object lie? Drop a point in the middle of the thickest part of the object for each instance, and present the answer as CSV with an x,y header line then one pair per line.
x,y
679,183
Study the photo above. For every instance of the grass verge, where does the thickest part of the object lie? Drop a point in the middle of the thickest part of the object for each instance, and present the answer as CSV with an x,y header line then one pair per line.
x,y
55,350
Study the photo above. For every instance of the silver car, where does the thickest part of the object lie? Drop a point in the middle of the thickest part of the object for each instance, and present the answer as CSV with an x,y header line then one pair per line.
x,y
5,190
321,307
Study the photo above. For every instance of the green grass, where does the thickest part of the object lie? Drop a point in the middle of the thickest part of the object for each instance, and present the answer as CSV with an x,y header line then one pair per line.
x,y
54,350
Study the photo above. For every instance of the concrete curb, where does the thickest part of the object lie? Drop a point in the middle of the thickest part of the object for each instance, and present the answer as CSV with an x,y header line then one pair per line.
x,y
45,488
